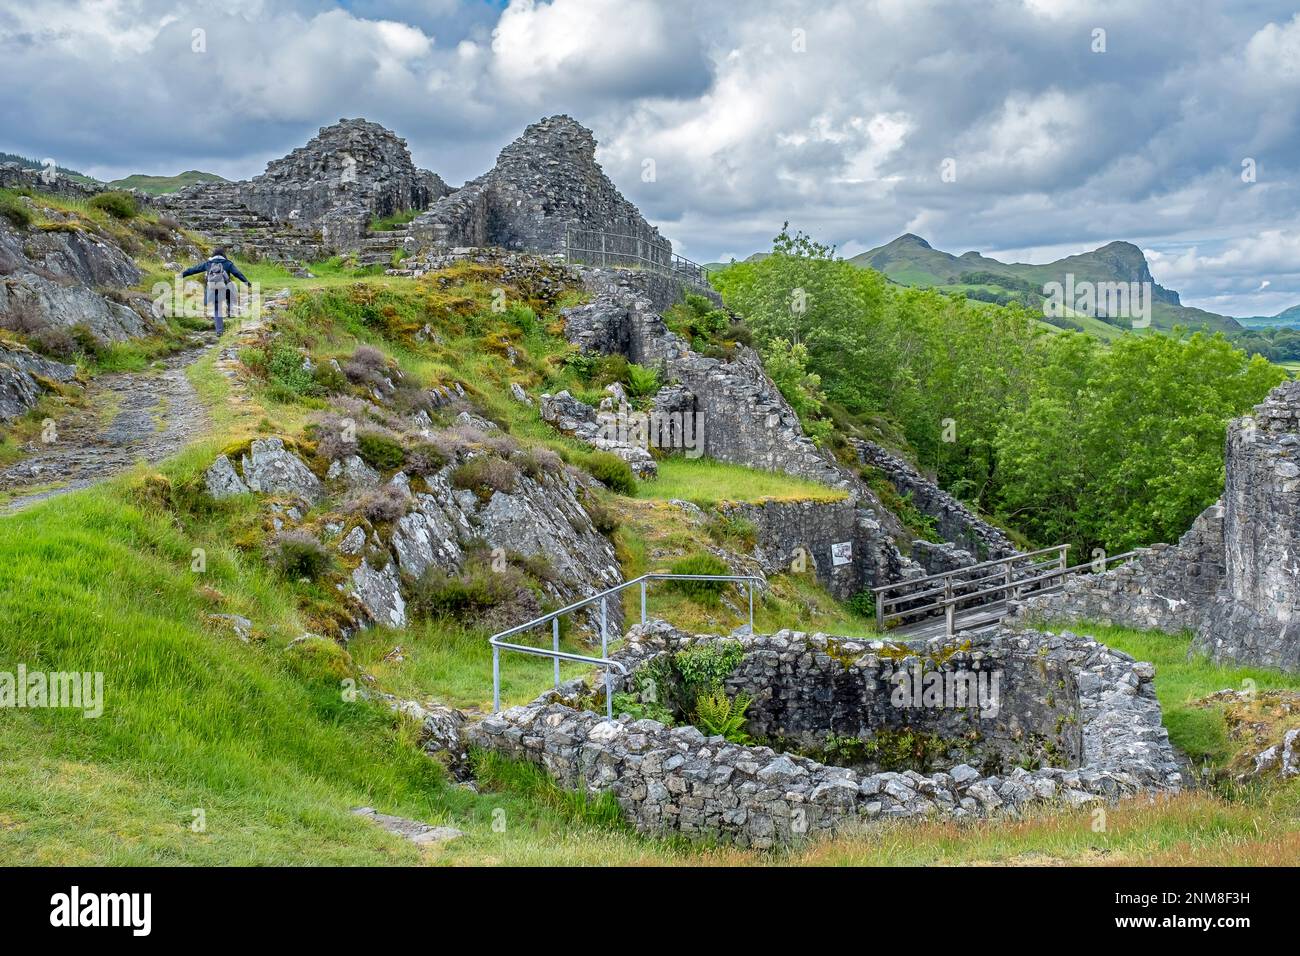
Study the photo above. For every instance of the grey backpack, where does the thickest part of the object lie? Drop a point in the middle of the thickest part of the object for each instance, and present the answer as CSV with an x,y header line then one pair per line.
x,y
216,273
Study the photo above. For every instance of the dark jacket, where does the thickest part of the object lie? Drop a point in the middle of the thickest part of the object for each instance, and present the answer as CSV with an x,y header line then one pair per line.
x,y
230,267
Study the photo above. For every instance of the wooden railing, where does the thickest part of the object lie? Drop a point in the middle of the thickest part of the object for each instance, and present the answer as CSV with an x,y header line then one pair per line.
x,y
594,247
978,586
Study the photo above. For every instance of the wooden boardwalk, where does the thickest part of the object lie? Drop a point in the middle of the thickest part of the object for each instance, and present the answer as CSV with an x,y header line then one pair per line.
x,y
973,619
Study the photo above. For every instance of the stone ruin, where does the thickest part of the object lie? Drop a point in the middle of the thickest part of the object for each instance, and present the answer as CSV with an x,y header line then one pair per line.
x,y
345,176
1233,579
1075,723
544,182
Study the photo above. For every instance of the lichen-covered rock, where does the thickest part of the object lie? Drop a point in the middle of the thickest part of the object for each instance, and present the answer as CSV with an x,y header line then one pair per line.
x,y
222,481
380,594
352,472
271,469
21,374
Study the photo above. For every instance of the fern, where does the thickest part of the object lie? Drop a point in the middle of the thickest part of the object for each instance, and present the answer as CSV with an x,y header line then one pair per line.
x,y
718,714
642,382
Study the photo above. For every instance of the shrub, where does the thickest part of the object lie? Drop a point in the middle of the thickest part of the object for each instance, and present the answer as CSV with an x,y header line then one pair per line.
x,y
296,554
706,592
425,458
475,590
733,529
380,451
56,342
535,462
287,371
328,379
485,474
642,382
863,604
378,505
604,519
16,211
719,715
704,667
367,366
118,203
612,472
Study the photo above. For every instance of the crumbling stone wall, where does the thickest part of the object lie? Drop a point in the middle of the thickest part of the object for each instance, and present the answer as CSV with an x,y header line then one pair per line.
x,y
677,780
1255,617
343,177
543,182
1165,587
954,521
792,534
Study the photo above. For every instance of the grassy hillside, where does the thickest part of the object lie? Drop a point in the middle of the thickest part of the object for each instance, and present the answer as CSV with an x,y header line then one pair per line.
x,y
161,185
216,751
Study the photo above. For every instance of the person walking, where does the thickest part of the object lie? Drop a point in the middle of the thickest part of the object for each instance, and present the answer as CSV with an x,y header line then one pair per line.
x,y
218,271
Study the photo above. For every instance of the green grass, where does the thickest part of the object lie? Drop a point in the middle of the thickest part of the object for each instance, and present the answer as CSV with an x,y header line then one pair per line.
x,y
707,482
385,223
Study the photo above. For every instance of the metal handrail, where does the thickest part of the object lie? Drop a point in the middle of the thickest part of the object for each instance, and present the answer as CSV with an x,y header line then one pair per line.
x,y
498,643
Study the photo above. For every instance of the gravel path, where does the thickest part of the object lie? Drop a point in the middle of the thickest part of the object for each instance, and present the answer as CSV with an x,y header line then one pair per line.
x,y
156,413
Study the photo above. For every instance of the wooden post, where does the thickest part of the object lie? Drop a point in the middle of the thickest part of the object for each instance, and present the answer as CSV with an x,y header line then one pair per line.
x,y
950,607
880,611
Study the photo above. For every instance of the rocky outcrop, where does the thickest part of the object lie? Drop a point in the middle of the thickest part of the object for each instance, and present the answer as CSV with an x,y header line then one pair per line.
x,y
15,176
24,375
679,781
547,180
346,175
69,278
1232,579
954,521
267,468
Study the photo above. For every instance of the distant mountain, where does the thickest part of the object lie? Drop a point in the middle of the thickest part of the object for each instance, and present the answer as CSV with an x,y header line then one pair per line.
x,y
161,185
910,260
29,163
1287,318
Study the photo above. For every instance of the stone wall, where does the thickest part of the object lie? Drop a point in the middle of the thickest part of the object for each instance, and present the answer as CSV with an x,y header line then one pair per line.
x,y
788,532
1164,587
543,182
1255,618
955,522
14,176
678,781
346,175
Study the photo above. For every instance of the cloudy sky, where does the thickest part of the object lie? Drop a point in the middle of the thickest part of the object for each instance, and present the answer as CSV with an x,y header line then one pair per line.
x,y
1026,129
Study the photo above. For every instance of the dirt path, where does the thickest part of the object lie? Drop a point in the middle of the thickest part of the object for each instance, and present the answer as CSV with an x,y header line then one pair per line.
x,y
127,418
